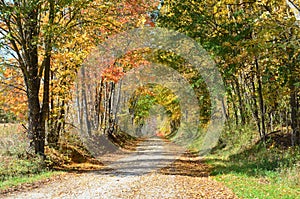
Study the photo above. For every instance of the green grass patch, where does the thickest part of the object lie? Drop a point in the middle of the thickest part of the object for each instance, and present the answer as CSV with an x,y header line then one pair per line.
x,y
12,167
17,181
17,166
263,174
245,186
254,170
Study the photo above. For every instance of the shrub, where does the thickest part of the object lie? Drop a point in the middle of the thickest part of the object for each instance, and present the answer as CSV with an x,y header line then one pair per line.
x,y
14,160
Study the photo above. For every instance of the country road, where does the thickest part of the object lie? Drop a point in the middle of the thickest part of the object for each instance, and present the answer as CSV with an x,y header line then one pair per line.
x,y
141,174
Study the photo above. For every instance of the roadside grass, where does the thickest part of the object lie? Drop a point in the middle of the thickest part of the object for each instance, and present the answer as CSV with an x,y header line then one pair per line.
x,y
264,177
254,187
29,179
16,165
254,170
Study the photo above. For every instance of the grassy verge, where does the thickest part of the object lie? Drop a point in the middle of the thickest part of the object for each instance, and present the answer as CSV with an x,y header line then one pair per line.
x,y
31,179
17,167
256,179
254,187
253,170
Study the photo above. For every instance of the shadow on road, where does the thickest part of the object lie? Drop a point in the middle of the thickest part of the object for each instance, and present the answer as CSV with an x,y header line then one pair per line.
x,y
153,155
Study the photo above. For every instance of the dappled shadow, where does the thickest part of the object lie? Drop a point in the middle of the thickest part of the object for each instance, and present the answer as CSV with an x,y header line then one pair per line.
x,y
154,155
150,156
100,145
258,160
185,166
181,166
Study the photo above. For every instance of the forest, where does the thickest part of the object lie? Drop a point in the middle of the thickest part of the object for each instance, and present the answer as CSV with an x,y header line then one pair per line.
x,y
218,78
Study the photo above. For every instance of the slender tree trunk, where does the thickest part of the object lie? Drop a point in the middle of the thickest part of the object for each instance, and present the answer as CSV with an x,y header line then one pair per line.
x,y
271,116
111,121
98,104
241,105
53,136
105,105
261,101
234,107
294,119
84,102
255,107
224,109
79,107
117,103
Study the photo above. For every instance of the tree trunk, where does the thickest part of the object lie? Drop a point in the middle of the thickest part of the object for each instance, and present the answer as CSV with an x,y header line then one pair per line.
x,y
234,107
85,102
36,124
294,119
36,131
261,102
79,108
98,104
293,97
109,116
46,65
241,105
255,107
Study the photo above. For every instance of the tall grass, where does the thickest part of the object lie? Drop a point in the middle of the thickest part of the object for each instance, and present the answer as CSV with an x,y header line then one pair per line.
x,y
14,160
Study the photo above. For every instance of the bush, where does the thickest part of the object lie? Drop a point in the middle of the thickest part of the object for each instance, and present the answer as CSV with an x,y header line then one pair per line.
x,y
14,160
12,167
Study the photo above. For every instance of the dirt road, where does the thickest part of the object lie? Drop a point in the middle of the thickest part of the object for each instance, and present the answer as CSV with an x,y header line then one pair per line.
x,y
145,173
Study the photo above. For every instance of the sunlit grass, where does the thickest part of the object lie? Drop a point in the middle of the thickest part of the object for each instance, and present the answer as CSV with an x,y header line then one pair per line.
x,y
16,165
245,186
253,170
19,180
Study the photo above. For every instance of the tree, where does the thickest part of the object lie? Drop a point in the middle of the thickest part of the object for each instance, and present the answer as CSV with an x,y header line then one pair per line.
x,y
28,32
255,45
35,33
